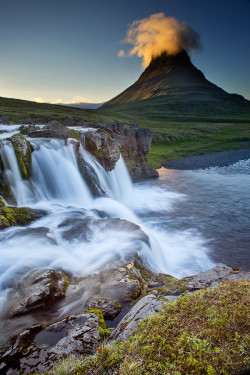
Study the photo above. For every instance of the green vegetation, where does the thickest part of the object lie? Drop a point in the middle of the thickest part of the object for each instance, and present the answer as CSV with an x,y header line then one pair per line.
x,y
23,154
201,333
14,216
174,136
103,330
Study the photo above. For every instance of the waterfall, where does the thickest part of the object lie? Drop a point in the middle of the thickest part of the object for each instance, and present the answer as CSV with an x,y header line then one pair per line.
x,y
82,233
19,187
55,175
115,184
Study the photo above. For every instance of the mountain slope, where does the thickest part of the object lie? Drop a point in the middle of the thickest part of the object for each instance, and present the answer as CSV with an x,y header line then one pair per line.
x,y
174,85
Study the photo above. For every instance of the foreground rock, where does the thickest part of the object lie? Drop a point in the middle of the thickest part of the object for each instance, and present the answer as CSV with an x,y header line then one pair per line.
x,y
147,306
36,349
10,216
215,276
111,294
39,290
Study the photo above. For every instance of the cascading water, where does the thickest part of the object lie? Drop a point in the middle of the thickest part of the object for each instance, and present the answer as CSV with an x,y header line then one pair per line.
x,y
18,186
83,234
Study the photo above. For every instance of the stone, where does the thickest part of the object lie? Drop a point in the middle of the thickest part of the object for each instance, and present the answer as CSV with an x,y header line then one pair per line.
x,y
145,307
215,276
39,290
109,307
101,144
15,216
36,349
167,285
23,151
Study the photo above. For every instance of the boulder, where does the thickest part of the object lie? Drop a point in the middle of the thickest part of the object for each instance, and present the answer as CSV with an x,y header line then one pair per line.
x,y
15,216
103,146
135,144
39,290
215,276
129,140
145,307
37,348
53,130
23,151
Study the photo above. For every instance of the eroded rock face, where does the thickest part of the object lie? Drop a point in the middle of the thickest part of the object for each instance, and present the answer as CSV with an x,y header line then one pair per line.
x,y
104,147
39,290
37,348
129,140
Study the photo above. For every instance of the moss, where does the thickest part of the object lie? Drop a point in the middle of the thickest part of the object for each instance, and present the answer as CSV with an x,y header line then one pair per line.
x,y
200,333
103,330
14,216
167,284
74,134
24,160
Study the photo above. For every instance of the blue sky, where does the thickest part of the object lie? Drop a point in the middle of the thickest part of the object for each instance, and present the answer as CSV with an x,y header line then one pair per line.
x,y
59,50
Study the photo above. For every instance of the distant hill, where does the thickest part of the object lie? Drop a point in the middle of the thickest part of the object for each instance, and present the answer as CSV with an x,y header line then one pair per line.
x,y
82,105
172,85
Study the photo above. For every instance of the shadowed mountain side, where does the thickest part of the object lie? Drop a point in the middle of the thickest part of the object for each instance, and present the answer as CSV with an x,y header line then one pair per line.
x,y
172,85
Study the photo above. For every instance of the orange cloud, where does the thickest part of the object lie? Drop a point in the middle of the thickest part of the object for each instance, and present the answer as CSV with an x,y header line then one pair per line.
x,y
153,35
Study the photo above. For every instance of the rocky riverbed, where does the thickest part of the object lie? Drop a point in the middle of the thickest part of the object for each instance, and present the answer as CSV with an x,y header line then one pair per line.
x,y
120,298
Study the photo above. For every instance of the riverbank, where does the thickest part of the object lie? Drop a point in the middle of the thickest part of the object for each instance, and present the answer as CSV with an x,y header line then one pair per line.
x,y
213,159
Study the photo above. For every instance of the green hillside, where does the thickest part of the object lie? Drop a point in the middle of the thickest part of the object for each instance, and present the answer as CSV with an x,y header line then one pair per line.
x,y
173,136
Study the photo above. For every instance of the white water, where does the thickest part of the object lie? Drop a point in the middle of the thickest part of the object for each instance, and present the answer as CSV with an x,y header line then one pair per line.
x,y
77,234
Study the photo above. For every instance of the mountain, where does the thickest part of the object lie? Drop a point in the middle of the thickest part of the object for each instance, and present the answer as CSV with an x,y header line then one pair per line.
x,y
83,105
172,85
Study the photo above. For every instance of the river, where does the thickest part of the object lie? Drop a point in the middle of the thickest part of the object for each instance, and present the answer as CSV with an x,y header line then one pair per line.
x,y
182,223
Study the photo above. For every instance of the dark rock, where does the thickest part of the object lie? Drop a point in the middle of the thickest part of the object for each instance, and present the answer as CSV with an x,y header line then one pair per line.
x,y
129,140
103,147
39,290
23,151
145,307
109,307
53,130
215,276
37,348
167,285
5,119
16,216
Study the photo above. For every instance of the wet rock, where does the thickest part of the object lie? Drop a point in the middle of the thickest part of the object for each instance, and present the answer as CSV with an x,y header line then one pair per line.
x,y
5,119
135,144
145,307
15,216
101,144
112,290
39,290
86,229
37,348
167,285
109,307
53,130
129,140
23,151
215,276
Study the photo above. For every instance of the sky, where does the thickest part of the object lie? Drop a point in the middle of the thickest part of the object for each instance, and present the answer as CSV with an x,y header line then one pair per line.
x,y
67,50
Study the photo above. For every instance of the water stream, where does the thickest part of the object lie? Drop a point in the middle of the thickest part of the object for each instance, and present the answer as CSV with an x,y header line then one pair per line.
x,y
180,224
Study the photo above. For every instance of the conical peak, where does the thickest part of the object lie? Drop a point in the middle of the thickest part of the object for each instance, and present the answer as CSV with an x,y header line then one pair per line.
x,y
166,62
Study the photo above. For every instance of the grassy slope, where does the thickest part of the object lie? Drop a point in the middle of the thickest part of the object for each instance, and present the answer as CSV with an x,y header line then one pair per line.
x,y
174,136
201,333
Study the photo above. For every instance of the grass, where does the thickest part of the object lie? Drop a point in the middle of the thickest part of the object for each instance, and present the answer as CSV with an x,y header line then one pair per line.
x,y
174,136
202,333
